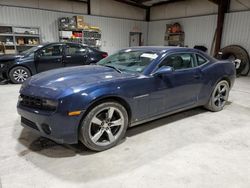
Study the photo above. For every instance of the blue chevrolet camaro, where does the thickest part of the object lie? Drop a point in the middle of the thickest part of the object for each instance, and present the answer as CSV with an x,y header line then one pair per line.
x,y
97,103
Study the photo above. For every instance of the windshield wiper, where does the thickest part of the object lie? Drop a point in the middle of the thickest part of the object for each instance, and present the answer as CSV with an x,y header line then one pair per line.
x,y
118,70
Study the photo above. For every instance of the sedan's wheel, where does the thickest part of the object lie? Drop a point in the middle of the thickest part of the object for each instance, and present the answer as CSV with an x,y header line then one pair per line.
x,y
219,97
104,126
19,74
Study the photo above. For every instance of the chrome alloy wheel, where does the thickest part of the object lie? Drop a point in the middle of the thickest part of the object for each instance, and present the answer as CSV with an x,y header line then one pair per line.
x,y
20,75
221,95
106,126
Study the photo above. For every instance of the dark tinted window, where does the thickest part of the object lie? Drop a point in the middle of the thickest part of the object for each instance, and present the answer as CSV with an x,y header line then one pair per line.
x,y
179,61
200,60
53,50
75,50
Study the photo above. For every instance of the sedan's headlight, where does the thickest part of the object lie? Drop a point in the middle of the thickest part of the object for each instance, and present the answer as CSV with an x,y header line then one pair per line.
x,y
2,65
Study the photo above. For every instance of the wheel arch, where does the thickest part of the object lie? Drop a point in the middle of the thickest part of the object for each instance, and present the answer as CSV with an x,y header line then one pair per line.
x,y
100,100
226,79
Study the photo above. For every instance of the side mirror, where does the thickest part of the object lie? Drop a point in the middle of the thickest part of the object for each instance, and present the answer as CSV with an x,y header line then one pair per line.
x,y
37,54
163,70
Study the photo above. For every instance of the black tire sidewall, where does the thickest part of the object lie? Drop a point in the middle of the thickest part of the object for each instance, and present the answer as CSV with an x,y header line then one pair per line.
x,y
85,125
211,106
239,53
13,70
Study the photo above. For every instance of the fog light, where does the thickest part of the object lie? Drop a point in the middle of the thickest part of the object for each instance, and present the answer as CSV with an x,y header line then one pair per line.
x,y
46,128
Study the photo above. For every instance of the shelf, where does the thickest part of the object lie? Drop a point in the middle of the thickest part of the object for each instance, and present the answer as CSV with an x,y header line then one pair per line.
x,y
17,33
26,45
175,33
7,45
26,35
6,34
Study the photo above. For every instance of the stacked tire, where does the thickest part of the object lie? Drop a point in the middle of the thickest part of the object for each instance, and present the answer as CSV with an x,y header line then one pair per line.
x,y
234,52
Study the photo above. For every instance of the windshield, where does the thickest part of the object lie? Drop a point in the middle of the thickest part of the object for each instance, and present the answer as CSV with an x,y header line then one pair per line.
x,y
129,61
31,50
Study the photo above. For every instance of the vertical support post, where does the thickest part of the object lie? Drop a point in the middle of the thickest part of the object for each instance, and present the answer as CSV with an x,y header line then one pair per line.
x,y
148,14
89,7
223,6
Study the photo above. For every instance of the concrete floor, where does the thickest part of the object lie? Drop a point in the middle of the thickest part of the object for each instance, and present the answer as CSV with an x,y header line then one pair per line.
x,y
195,148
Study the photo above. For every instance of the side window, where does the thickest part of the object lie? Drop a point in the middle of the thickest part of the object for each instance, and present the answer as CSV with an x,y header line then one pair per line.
x,y
179,61
54,50
75,50
200,60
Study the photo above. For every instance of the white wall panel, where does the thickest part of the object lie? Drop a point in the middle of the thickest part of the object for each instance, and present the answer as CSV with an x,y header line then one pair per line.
x,y
113,8
108,8
198,30
183,9
58,5
115,32
237,29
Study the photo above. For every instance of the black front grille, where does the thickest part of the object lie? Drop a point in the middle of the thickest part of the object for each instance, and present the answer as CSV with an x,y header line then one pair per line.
x,y
29,123
35,103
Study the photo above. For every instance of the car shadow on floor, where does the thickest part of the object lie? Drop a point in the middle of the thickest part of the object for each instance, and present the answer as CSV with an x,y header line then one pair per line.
x,y
52,149
163,121
77,164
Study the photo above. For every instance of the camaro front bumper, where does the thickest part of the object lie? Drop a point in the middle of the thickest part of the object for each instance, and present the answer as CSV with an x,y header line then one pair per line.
x,y
56,126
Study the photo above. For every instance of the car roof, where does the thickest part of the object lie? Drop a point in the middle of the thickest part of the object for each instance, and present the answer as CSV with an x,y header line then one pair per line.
x,y
48,43
162,49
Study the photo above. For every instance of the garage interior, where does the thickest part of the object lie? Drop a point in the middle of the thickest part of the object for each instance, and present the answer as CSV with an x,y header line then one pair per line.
x,y
194,148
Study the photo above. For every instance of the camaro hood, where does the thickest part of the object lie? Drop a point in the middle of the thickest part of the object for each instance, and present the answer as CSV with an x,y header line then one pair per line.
x,y
54,83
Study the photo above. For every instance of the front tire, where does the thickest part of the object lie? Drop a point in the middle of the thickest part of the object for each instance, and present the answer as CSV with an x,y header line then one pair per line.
x,y
19,74
219,97
104,126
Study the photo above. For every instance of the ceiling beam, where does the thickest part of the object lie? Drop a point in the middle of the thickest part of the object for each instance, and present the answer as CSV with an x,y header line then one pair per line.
x,y
132,4
79,1
166,2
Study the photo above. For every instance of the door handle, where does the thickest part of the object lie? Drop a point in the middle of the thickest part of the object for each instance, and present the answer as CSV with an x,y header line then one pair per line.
x,y
68,56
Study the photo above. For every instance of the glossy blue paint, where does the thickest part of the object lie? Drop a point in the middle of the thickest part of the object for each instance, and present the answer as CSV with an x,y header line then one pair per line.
x,y
145,95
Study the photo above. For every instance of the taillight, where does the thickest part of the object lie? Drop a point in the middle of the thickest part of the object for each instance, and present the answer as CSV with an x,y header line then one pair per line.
x,y
104,55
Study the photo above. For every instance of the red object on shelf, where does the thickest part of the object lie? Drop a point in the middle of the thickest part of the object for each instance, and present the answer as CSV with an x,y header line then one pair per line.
x,y
77,34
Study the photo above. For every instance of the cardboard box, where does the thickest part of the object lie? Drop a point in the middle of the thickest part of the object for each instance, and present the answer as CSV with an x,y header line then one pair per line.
x,y
79,22
20,41
10,51
65,34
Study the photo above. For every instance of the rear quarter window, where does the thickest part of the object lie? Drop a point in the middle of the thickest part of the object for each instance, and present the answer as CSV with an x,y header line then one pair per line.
x,y
201,60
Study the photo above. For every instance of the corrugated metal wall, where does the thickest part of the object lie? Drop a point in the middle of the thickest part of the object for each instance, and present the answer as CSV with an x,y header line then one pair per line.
x,y
115,32
237,29
198,30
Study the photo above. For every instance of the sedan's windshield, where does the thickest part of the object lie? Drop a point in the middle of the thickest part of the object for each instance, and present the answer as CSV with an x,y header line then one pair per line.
x,y
31,50
129,61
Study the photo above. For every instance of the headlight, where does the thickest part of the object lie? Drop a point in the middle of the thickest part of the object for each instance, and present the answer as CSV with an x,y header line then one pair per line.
x,y
49,104
20,98
2,65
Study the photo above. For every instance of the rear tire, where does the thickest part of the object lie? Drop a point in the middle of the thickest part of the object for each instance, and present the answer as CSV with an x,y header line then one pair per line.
x,y
219,97
104,126
19,74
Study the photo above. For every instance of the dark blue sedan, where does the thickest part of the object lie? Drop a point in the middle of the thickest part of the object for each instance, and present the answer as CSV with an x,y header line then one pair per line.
x,y
97,103
17,68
